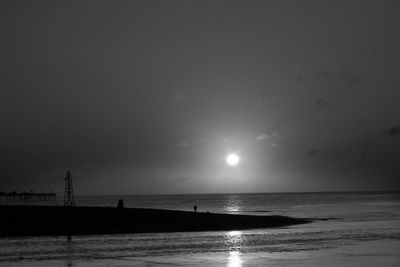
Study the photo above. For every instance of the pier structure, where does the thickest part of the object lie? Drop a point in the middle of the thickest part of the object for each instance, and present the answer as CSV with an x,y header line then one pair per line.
x,y
69,202
28,197
69,199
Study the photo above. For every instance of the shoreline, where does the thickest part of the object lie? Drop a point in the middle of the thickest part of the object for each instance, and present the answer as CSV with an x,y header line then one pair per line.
x,y
19,220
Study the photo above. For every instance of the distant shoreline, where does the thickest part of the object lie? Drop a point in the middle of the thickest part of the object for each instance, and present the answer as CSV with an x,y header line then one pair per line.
x,y
29,220
254,193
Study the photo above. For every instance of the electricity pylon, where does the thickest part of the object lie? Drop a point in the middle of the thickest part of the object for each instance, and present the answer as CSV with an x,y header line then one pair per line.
x,y
69,199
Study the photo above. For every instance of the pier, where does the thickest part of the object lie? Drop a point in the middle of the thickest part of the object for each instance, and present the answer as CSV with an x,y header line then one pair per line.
x,y
27,197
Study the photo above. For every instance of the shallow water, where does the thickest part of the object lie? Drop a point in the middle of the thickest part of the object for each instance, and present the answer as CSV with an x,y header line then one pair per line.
x,y
363,230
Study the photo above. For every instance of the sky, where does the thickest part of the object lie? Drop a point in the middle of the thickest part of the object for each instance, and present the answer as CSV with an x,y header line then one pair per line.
x,y
149,97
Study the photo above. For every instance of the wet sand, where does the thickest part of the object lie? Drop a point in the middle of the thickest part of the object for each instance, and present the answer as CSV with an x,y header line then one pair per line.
x,y
53,220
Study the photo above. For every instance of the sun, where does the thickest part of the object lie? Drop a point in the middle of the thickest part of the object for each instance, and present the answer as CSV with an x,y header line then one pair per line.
x,y
232,159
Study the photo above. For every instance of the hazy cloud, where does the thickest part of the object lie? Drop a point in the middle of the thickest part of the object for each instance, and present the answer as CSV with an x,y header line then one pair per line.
x,y
392,132
321,103
300,77
262,137
262,101
183,144
342,76
312,152
179,97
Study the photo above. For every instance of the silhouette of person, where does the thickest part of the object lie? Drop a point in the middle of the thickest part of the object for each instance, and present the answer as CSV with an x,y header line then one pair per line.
x,y
120,203
195,208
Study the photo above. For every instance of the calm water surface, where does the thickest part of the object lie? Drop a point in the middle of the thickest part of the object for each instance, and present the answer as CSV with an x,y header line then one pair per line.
x,y
363,229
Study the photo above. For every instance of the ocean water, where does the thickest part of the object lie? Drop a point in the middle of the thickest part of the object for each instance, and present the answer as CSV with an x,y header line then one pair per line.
x,y
361,229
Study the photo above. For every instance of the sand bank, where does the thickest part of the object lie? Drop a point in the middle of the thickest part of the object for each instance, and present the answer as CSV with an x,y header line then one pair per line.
x,y
52,220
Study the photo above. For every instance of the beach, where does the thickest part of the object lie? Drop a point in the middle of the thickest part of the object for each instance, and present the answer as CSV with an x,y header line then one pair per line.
x,y
363,229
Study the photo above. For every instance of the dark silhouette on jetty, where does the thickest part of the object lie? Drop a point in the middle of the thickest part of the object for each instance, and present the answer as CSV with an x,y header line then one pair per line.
x,y
21,220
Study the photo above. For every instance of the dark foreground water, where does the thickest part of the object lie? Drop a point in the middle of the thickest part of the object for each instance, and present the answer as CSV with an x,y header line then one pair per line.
x,y
363,229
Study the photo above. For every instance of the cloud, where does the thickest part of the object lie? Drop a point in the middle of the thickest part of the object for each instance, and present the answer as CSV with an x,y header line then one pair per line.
x,y
342,76
183,144
179,97
392,132
262,137
262,101
299,77
320,102
312,152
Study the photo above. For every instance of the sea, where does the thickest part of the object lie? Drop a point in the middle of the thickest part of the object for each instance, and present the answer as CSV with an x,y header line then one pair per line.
x,y
351,229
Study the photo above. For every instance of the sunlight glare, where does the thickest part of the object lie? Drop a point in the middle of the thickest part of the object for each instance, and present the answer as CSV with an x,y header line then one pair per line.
x,y
234,259
232,159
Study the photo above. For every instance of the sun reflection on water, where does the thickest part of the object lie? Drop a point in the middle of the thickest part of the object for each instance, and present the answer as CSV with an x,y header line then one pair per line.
x,y
234,242
234,259
233,204
233,209
234,234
